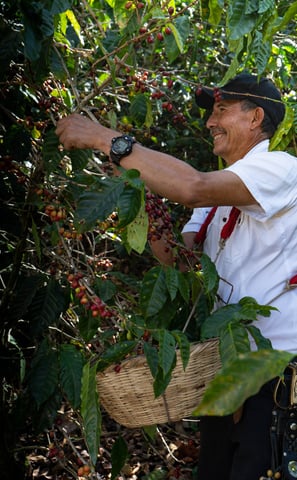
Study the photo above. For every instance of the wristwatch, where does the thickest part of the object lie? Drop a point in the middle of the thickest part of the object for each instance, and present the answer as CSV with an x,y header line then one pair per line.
x,y
121,147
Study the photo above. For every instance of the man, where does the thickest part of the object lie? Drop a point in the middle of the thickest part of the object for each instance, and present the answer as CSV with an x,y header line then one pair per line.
x,y
257,259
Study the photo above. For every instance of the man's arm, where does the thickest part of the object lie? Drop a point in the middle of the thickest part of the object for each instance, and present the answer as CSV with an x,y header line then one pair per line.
x,y
164,174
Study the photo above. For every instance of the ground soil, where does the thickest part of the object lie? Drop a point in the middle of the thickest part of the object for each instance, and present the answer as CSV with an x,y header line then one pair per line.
x,y
166,452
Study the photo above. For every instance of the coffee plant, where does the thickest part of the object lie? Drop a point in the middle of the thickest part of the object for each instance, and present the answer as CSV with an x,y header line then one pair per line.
x,y
80,288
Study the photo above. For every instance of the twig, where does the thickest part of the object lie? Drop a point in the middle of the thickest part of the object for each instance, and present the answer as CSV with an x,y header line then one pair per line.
x,y
167,447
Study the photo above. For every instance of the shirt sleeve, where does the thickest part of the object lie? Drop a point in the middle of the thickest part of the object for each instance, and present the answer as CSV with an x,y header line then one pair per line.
x,y
271,177
196,220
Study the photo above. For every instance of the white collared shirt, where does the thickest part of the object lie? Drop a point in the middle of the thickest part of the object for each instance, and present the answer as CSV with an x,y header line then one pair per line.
x,y
261,254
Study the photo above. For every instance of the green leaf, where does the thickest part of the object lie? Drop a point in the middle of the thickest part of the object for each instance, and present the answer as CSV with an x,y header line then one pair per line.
x,y
247,310
183,345
265,6
90,410
233,68
115,353
119,455
43,377
233,341
46,307
177,37
80,158
132,177
161,382
47,414
250,309
96,206
154,293
71,367
172,280
171,48
261,342
252,6
149,118
283,129
210,274
107,289
183,286
75,25
290,13
138,108
175,43
239,22
128,206
152,358
167,351
26,289
164,317
241,379
88,326
60,6
215,12
181,29
137,230
38,26
52,156
261,50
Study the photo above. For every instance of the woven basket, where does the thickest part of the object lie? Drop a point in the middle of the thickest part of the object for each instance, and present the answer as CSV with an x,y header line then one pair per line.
x,y
128,395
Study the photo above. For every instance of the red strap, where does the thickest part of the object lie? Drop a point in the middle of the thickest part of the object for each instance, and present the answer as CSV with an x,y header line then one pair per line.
x,y
226,230
201,234
229,226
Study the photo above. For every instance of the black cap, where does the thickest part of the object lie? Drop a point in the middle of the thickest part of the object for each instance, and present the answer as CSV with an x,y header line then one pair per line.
x,y
245,86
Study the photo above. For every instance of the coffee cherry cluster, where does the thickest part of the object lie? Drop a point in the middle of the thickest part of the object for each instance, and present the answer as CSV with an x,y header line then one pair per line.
x,y
167,106
130,4
70,233
199,91
157,94
110,222
179,118
83,471
217,94
55,212
140,80
90,302
52,206
160,222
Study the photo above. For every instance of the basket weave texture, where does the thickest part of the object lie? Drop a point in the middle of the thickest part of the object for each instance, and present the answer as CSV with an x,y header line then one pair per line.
x,y
128,395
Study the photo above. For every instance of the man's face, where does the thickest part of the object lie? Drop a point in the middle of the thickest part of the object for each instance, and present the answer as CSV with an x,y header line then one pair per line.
x,y
232,130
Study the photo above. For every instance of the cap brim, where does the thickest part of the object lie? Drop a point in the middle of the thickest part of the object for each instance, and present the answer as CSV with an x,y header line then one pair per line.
x,y
205,97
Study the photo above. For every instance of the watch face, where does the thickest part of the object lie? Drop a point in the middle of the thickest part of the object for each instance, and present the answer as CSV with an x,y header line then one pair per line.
x,y
120,145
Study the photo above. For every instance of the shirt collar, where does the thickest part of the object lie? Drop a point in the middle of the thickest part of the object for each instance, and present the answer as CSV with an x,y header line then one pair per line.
x,y
260,147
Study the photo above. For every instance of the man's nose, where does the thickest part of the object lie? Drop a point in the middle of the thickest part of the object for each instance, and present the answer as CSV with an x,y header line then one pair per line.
x,y
211,122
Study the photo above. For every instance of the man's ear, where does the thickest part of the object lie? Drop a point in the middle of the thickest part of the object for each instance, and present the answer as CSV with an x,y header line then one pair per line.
x,y
258,117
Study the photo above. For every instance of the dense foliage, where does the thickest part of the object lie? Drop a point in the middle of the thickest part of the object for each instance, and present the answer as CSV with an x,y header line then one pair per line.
x,y
80,288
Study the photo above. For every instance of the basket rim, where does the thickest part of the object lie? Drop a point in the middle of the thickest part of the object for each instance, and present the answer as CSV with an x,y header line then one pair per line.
x,y
141,358
128,396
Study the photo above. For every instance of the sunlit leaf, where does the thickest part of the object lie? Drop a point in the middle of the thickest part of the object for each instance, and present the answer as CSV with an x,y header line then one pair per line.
x,y
241,379
137,230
